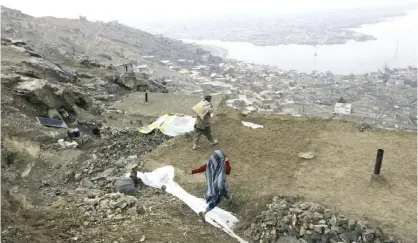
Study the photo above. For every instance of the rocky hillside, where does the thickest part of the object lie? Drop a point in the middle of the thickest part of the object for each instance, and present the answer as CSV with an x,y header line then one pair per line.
x,y
66,69
109,42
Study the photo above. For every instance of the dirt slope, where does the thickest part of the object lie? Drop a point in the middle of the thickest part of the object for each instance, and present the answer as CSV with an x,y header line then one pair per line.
x,y
265,163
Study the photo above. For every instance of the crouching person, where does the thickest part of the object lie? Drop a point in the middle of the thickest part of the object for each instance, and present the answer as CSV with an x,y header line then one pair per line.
x,y
216,170
128,185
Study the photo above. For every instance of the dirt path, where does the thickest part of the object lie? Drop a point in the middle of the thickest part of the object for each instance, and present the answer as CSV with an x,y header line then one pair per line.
x,y
265,163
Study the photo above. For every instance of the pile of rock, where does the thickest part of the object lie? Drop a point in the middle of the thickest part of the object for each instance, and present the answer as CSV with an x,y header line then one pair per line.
x,y
112,206
119,156
309,222
128,141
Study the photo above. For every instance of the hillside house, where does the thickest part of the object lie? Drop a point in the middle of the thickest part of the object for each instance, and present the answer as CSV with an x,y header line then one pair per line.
x,y
342,108
125,68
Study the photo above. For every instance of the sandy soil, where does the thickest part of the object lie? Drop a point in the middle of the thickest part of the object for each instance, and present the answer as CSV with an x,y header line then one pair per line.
x,y
265,162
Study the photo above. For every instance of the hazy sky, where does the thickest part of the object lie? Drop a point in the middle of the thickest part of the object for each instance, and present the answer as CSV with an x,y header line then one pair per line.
x,y
131,11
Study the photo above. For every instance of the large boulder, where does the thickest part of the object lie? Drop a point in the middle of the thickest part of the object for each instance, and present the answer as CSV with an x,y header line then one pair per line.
x,y
90,63
41,68
133,81
128,80
156,87
139,82
48,95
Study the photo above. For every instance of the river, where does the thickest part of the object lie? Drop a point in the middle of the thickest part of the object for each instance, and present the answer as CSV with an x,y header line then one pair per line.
x,y
396,46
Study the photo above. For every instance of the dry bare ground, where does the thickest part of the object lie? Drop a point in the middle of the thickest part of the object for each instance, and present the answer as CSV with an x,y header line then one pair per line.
x,y
265,163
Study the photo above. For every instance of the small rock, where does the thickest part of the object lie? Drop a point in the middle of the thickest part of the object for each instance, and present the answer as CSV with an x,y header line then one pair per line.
x,y
287,219
317,216
296,210
133,158
353,235
344,237
77,177
305,206
302,231
368,235
315,207
327,214
104,204
118,217
142,238
121,162
132,211
140,210
319,228
333,220
336,229
342,221
352,224
316,236
105,174
324,238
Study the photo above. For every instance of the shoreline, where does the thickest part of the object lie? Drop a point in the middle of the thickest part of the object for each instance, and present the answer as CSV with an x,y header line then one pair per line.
x,y
214,50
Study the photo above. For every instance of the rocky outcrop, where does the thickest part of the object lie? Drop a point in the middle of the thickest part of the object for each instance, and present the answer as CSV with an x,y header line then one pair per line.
x,y
156,87
90,63
52,96
41,68
130,81
139,82
37,67
309,222
20,46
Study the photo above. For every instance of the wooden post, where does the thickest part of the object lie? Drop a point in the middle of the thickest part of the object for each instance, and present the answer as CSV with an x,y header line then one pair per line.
x,y
379,158
146,96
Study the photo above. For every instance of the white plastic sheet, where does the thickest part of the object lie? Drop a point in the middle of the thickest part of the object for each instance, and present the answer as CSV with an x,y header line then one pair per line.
x,y
217,217
171,125
252,125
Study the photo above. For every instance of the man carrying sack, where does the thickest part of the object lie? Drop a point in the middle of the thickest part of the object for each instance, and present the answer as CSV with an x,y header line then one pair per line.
x,y
204,111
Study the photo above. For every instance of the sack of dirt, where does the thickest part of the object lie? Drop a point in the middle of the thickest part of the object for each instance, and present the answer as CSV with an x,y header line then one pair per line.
x,y
202,108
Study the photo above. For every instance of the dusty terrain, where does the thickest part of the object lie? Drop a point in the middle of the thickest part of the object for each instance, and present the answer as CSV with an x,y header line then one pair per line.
x,y
265,163
52,193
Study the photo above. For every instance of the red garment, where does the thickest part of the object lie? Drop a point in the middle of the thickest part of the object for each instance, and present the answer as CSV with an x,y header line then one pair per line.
x,y
203,168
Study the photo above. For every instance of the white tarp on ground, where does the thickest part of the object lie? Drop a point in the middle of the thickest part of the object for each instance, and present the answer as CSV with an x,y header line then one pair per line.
x,y
252,125
217,217
171,125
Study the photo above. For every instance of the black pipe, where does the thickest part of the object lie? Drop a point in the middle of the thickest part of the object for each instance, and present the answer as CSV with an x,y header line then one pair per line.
x,y
379,158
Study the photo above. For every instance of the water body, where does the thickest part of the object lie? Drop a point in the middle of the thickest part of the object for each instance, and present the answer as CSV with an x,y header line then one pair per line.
x,y
396,45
